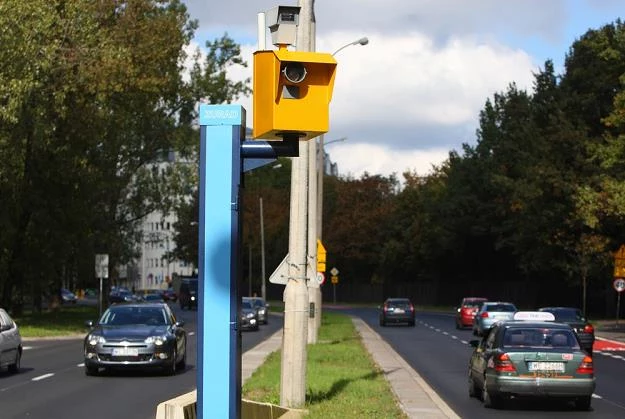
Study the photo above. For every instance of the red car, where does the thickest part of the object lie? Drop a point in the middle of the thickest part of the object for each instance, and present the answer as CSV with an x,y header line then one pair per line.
x,y
466,311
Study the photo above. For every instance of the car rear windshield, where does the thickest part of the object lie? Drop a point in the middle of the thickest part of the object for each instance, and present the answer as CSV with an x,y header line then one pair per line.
x,y
540,338
472,303
506,308
399,303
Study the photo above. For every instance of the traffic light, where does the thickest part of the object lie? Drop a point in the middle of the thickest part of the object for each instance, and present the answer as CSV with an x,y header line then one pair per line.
x,y
292,93
321,257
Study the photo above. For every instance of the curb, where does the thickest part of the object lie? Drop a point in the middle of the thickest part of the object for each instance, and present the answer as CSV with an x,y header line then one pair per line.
x,y
414,396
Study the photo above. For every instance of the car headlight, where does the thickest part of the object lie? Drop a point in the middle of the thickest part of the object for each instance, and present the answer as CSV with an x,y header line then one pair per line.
x,y
193,298
261,311
157,340
93,340
249,315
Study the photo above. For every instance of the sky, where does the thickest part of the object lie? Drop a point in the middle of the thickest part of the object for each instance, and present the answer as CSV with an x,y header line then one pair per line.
x,y
415,91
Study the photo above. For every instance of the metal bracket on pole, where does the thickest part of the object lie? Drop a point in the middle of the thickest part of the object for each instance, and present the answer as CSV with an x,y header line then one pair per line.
x,y
260,153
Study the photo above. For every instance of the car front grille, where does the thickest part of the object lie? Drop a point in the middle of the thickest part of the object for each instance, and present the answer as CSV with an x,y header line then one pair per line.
x,y
139,358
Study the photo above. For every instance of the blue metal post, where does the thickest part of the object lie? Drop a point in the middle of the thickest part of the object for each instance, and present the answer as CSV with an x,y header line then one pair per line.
x,y
222,129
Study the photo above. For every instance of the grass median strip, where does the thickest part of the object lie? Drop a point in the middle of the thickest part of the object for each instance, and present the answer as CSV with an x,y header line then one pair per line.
x,y
67,320
342,380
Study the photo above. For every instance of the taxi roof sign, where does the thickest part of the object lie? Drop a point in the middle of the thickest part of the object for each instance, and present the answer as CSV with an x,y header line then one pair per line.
x,y
540,316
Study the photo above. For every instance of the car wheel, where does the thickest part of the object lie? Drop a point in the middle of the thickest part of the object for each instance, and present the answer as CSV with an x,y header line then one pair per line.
x,y
15,367
583,403
91,370
472,388
382,322
458,325
170,369
490,400
183,362
412,323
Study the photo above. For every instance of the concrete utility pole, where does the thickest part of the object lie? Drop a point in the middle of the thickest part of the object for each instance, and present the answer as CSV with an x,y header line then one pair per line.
x,y
308,33
294,351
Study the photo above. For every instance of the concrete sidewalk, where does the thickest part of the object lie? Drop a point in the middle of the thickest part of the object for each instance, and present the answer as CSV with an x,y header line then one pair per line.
x,y
415,397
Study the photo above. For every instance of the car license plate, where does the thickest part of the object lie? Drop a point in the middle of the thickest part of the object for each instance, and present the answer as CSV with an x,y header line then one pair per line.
x,y
546,366
399,310
125,352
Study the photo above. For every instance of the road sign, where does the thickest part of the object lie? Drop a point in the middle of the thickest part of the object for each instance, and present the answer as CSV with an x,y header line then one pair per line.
x,y
281,274
619,284
102,265
321,257
619,263
334,271
335,279
321,278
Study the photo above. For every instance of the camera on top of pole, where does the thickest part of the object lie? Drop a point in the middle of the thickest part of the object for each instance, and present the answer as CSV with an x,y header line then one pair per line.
x,y
292,89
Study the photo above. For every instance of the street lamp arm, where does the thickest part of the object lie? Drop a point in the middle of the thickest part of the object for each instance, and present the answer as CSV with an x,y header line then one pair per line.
x,y
361,41
335,141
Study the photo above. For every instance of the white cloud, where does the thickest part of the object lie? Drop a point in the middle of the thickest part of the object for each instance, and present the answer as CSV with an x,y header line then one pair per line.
x,y
418,99
355,159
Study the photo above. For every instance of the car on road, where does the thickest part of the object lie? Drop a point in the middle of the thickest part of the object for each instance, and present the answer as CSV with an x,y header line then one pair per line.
x,y
490,313
122,296
68,297
397,310
152,297
10,343
169,295
188,293
575,318
466,311
141,335
530,356
248,316
262,308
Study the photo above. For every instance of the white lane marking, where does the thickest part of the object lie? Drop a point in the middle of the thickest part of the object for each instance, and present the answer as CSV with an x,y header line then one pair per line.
x,y
454,337
81,365
596,396
43,377
445,333
26,348
191,333
465,342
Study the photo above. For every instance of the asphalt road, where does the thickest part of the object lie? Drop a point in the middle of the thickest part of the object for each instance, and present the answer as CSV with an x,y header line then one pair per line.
x,y
440,354
52,383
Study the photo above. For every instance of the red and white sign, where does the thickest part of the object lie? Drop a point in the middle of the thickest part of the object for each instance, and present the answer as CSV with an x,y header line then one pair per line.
x,y
321,278
619,284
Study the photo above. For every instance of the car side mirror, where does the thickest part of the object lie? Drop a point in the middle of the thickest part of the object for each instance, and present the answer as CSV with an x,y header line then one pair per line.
x,y
474,343
179,323
89,324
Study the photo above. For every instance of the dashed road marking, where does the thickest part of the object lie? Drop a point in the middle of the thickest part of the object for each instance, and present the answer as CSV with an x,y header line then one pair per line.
x,y
42,377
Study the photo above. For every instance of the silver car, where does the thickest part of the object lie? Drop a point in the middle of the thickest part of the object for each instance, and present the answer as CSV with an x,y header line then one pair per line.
x,y
10,343
490,313
144,335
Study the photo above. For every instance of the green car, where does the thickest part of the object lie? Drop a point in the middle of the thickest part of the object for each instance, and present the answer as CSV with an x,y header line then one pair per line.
x,y
530,356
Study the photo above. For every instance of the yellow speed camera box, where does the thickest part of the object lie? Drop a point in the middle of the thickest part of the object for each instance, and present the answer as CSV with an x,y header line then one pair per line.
x,y
292,93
